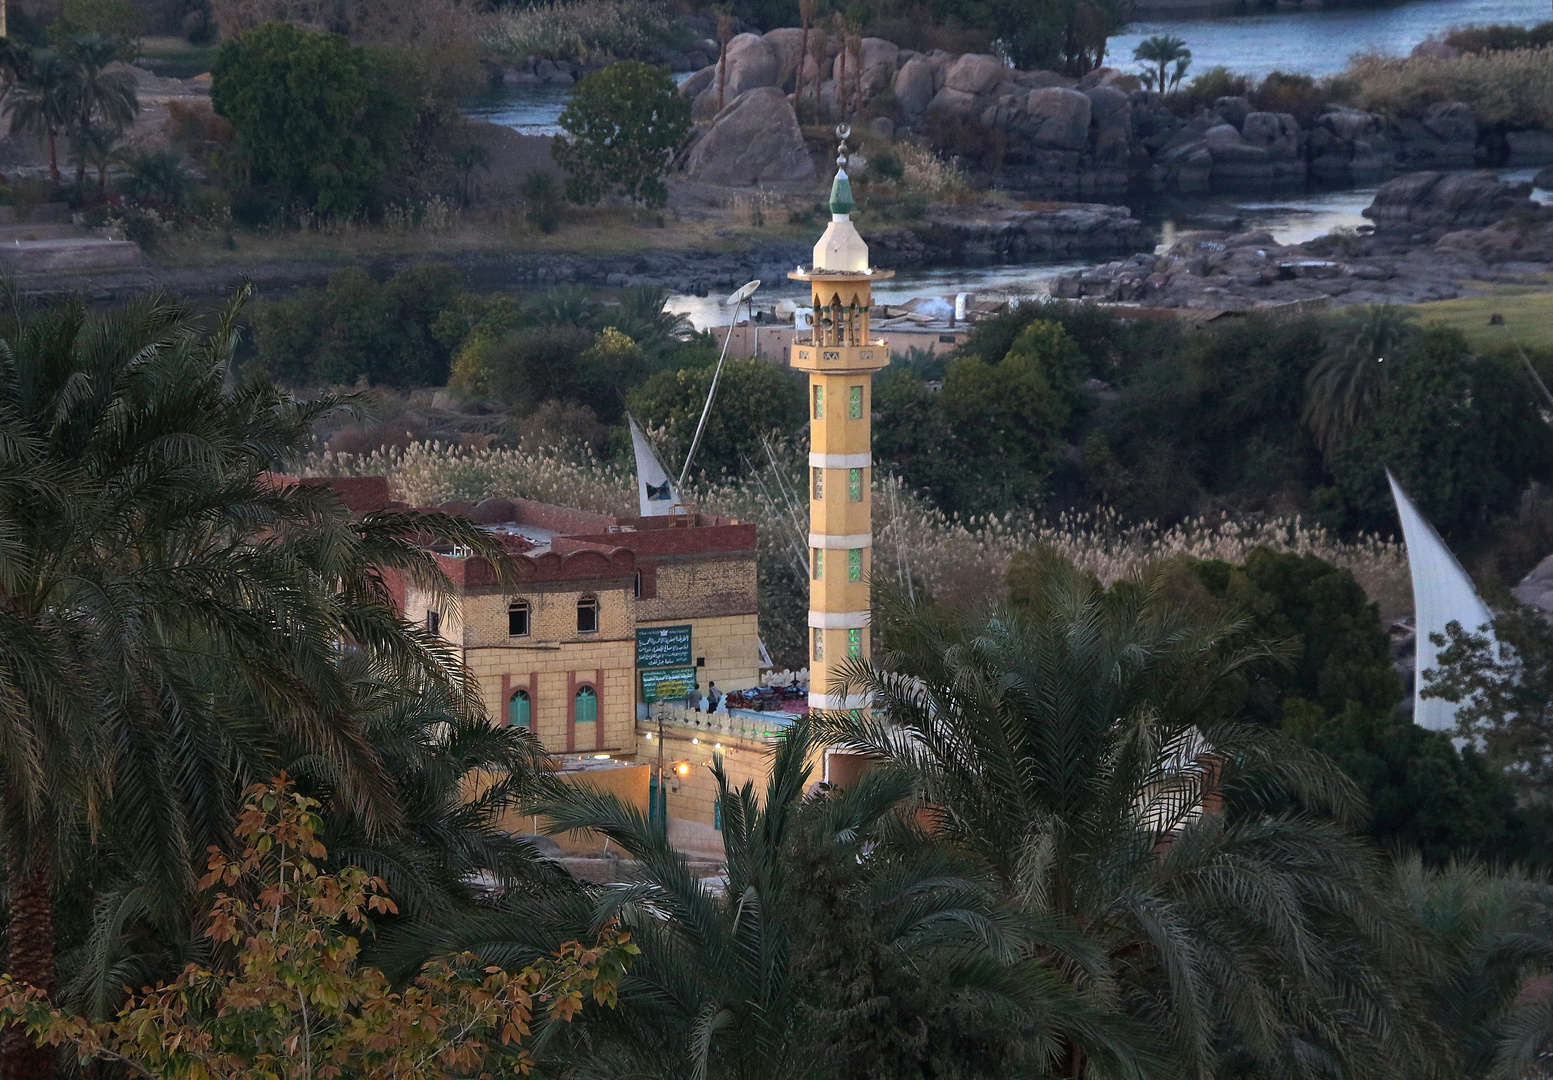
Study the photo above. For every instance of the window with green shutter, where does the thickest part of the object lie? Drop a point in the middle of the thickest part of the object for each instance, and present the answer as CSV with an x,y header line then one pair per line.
x,y
819,563
819,403
855,485
519,709
818,476
854,643
585,706
855,403
855,564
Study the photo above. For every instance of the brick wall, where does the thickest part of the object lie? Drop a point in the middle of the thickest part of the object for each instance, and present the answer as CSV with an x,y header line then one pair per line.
x,y
552,613
552,677
703,586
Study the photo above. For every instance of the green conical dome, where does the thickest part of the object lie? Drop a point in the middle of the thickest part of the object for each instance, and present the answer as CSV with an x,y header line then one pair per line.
x,y
841,193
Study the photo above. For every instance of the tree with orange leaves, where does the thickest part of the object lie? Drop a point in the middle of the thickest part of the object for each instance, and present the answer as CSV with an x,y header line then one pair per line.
x,y
291,999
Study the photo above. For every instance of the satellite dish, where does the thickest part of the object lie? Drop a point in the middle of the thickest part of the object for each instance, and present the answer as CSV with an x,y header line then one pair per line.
x,y
745,292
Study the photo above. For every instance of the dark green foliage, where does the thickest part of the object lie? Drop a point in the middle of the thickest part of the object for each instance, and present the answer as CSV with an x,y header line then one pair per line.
x,y
360,328
755,399
1341,655
1462,434
844,947
1057,738
174,621
625,123
569,364
157,176
1507,692
1213,419
1500,37
317,117
543,193
1339,694
987,441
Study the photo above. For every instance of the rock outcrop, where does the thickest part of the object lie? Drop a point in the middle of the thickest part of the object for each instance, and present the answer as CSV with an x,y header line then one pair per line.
x,y
1498,236
753,140
1010,234
1049,136
1427,205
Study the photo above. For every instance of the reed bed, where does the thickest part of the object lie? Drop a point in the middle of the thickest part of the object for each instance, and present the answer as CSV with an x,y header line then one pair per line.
x,y
582,30
916,547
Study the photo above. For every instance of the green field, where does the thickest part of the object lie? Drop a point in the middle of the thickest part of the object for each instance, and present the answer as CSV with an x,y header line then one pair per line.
x,y
176,57
1528,319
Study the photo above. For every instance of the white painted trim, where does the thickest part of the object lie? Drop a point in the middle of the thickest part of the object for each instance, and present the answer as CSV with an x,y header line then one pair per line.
x,y
840,461
838,620
837,703
841,543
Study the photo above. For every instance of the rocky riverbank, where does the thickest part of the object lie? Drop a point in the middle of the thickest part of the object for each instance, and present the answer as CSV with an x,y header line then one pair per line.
x,y
1436,235
1044,135
976,235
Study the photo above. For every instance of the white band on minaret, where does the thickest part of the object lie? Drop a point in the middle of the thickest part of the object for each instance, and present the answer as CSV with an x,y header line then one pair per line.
x,y
840,461
847,542
838,620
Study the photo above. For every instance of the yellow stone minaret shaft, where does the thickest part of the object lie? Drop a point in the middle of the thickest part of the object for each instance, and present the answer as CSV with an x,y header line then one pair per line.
x,y
841,359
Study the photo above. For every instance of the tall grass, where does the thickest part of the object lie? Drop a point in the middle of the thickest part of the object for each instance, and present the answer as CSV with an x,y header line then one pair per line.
x,y
1513,87
583,30
916,547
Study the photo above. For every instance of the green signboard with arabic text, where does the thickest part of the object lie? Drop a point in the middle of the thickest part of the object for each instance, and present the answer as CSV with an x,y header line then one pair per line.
x,y
663,646
667,683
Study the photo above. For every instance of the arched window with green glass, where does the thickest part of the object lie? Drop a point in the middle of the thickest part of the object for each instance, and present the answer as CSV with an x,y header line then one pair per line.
x,y
585,706
520,709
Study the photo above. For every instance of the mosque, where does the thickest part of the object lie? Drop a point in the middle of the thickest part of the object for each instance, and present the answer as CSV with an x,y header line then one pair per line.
x,y
615,622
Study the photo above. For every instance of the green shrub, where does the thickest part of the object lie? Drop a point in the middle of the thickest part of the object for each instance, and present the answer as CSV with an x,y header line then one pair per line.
x,y
316,116
625,123
1493,38
1299,95
360,328
755,399
543,194
1207,88
566,363
1461,433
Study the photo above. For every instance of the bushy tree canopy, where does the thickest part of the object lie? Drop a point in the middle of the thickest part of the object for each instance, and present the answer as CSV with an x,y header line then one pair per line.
x,y
755,399
315,115
625,123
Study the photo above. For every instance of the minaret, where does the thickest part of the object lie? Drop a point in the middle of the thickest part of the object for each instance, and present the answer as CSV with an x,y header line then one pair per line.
x,y
841,359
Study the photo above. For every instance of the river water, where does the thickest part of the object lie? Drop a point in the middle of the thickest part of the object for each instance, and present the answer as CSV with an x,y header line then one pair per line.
x,y
1319,42
1315,42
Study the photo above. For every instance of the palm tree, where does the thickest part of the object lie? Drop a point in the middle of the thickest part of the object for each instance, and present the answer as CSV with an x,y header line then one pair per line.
x,y
1086,748
1345,387
99,97
455,776
642,318
1494,927
41,103
1162,50
168,616
97,147
838,925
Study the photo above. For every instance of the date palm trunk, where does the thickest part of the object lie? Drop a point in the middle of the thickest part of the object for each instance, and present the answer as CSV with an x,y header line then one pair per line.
x,y
29,956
